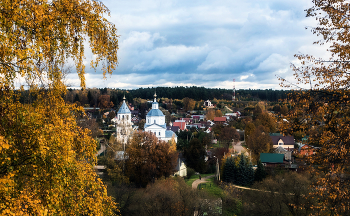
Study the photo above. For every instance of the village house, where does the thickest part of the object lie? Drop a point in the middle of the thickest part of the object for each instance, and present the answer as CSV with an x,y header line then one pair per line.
x,y
173,128
287,154
306,150
207,103
181,168
220,120
286,142
272,159
180,123
197,118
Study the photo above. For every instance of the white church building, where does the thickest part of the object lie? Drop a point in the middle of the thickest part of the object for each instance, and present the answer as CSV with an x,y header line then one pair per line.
x,y
123,123
155,123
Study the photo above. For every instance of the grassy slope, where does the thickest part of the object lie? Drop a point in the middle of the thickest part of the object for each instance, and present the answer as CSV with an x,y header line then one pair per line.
x,y
211,187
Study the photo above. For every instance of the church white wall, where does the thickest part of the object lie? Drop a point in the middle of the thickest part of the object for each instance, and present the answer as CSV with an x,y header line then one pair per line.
x,y
124,117
158,131
160,120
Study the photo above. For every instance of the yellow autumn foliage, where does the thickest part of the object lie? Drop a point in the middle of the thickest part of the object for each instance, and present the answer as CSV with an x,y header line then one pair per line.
x,y
172,144
46,160
322,109
37,34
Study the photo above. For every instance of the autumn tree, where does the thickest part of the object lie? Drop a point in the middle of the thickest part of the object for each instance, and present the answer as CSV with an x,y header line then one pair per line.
x,y
268,121
172,143
46,160
258,110
322,109
218,113
85,122
105,101
142,124
47,33
228,135
210,114
284,110
259,142
280,195
249,129
148,158
111,115
171,196
277,108
41,142
114,168
188,103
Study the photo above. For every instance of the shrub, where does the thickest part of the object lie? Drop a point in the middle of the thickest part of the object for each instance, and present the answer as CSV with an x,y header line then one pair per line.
x,y
190,172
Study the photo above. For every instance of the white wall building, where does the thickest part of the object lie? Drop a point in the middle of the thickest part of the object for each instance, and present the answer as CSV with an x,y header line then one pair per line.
x,y
155,123
207,103
123,123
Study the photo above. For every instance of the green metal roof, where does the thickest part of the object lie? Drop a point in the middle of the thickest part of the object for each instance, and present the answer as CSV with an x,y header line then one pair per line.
x,y
271,158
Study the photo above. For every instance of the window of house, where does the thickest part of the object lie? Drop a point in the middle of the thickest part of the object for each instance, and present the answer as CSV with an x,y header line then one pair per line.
x,y
280,143
159,133
154,121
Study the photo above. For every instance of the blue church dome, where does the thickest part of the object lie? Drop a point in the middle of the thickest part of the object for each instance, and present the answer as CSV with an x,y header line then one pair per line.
x,y
155,112
124,109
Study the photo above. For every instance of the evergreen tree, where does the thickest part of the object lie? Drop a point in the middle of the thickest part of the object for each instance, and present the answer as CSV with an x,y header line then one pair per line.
x,y
245,173
89,95
249,174
260,172
241,177
229,170
76,98
225,170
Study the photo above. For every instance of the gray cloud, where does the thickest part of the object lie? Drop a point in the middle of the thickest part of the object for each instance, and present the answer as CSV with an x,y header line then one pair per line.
x,y
206,43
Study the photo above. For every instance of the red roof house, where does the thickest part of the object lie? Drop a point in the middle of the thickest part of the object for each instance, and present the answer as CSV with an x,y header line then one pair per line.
x,y
181,125
220,120
306,150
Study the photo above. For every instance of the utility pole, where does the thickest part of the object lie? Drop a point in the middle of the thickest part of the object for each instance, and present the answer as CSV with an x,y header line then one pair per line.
x,y
234,90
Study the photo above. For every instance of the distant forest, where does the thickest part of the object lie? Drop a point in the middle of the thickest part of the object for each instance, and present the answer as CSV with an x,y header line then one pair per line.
x,y
201,93
93,96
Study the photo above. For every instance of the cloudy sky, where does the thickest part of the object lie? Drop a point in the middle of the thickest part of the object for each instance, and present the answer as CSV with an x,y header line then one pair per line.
x,y
206,43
